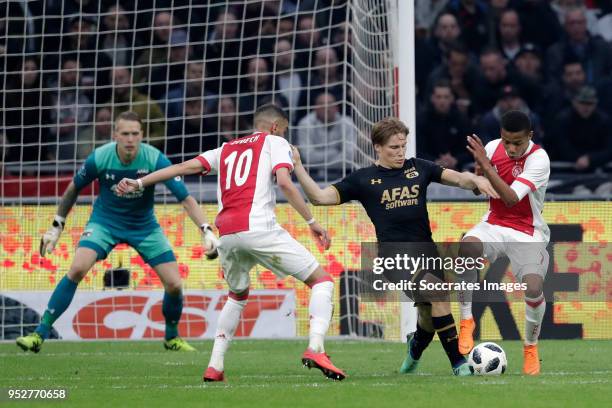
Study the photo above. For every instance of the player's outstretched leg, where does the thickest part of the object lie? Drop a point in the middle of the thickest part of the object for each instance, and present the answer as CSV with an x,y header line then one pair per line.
x,y
535,306
320,312
172,306
471,247
418,341
444,324
58,303
61,298
226,327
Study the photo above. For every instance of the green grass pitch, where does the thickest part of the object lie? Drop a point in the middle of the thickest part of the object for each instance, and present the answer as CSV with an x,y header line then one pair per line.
x,y
266,373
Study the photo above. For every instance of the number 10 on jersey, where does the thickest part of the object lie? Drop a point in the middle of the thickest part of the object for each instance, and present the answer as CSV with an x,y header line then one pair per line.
x,y
238,171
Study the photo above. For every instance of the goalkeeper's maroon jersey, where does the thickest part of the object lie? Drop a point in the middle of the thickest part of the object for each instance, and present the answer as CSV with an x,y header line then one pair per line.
x,y
245,181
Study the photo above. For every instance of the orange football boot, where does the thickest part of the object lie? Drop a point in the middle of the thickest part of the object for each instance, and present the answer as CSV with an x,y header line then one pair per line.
x,y
466,335
531,363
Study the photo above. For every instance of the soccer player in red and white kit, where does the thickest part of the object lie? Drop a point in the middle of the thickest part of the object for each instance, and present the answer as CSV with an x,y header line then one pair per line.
x,y
518,170
249,233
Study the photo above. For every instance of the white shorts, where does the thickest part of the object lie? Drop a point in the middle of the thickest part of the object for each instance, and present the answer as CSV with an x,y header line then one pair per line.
x,y
527,254
275,250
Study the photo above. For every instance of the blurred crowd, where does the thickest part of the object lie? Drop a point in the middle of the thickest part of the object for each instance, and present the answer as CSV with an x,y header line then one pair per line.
x,y
195,70
477,59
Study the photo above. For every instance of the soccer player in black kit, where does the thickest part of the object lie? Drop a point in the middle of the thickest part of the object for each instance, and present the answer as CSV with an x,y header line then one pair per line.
x,y
393,192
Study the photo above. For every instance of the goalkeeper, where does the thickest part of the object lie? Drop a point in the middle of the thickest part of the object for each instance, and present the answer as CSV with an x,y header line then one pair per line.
x,y
121,219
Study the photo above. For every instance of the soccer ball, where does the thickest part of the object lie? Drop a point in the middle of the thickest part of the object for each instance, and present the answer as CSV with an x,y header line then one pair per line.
x,y
487,359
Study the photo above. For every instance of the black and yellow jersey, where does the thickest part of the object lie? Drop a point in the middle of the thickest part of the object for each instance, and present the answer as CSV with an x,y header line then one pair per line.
x,y
394,199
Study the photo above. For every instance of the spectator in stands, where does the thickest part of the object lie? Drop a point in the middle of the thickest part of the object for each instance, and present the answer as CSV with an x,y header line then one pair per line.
x,y
223,52
561,7
80,44
307,39
425,14
446,32
497,74
341,42
195,83
71,113
582,133
496,9
96,135
157,48
229,124
324,77
327,139
172,74
508,99
464,78
559,95
593,52
442,129
286,80
259,29
285,28
430,53
25,118
257,89
118,37
186,136
509,34
536,14
126,97
473,17
528,63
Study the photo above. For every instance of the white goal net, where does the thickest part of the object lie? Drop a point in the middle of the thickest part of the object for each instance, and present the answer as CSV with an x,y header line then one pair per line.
x,y
195,71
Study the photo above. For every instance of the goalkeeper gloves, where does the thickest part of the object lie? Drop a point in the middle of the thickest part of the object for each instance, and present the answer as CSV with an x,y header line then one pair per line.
x,y
50,238
211,242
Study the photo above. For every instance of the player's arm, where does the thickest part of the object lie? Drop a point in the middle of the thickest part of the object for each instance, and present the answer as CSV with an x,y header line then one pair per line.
x,y
86,174
195,212
190,205
316,195
468,181
50,238
293,195
192,166
505,193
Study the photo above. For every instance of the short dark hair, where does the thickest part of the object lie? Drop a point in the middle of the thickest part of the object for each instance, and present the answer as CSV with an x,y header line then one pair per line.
x,y
442,83
271,110
516,121
129,116
385,128
491,50
457,47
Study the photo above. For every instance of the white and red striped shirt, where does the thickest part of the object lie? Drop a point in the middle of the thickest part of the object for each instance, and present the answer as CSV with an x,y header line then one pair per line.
x,y
245,182
528,177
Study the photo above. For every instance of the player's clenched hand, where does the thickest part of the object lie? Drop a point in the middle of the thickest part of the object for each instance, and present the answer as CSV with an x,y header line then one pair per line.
x,y
50,238
295,154
477,149
320,235
211,242
126,186
484,186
